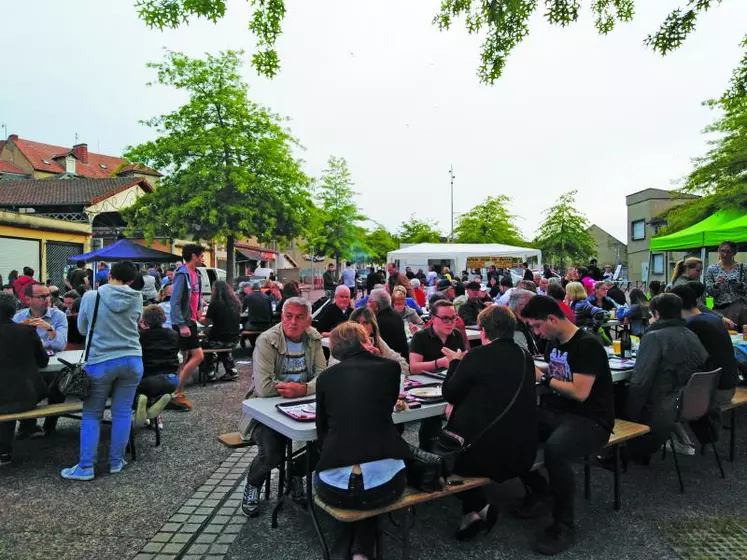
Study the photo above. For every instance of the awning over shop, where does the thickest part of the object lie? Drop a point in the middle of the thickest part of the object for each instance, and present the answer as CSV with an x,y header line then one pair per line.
x,y
254,253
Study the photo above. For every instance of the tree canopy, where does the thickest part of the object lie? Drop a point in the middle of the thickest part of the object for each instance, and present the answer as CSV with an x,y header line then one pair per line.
x,y
229,170
379,242
564,234
489,222
719,176
338,234
502,23
415,230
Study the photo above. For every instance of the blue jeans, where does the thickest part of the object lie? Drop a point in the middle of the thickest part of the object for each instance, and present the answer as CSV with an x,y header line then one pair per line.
x,y
118,377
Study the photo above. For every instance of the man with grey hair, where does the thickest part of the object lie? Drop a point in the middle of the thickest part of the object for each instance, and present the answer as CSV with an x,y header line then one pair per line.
x,y
334,313
391,325
522,335
287,360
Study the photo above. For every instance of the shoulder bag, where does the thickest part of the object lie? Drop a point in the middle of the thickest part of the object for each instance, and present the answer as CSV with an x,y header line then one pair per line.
x,y
73,380
427,470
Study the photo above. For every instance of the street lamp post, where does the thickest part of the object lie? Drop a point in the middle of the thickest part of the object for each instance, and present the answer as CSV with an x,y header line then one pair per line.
x,y
452,176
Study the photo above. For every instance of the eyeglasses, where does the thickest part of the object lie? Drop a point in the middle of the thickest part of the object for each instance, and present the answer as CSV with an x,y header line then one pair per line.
x,y
446,319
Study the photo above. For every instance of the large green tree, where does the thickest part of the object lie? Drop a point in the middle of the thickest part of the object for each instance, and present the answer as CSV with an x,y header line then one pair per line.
x,y
337,232
229,169
502,23
563,235
380,242
415,230
719,176
488,222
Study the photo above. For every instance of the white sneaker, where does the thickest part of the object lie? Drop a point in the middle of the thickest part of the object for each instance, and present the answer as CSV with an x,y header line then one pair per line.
x,y
681,448
140,411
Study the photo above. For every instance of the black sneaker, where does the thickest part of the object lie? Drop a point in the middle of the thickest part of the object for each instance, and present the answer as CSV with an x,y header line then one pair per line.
x,y
35,432
232,375
298,491
4,459
250,503
555,539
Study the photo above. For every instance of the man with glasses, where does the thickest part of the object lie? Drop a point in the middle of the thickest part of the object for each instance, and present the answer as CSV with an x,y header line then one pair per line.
x,y
426,355
51,326
50,322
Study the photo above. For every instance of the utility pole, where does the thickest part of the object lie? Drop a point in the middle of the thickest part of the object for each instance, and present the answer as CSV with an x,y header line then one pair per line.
x,y
451,174
5,128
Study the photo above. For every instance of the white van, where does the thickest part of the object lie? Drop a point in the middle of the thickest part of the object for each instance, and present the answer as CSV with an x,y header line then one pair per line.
x,y
210,275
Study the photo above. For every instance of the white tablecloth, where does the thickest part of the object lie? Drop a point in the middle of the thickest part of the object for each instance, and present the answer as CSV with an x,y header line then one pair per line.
x,y
72,356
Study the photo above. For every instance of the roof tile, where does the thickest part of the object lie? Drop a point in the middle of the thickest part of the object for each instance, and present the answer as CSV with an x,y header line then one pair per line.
x,y
52,192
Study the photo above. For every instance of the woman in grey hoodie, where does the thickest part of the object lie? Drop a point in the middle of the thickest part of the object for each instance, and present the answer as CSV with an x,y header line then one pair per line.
x,y
114,364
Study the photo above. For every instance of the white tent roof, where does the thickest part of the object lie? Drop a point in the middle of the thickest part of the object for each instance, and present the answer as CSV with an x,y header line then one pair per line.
x,y
462,251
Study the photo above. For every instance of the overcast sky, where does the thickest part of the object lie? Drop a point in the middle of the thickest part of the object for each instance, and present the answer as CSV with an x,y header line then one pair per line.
x,y
376,83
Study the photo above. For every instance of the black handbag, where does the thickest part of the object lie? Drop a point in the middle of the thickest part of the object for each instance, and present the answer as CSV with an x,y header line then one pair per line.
x,y
73,380
449,445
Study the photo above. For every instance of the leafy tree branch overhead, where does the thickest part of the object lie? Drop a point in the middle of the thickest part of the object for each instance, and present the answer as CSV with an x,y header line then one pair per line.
x,y
503,24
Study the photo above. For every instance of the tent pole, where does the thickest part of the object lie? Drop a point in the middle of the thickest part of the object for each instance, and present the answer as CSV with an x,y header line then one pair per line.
x,y
704,259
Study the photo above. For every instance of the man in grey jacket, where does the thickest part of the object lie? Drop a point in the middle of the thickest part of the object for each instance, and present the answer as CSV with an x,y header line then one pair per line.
x,y
287,360
668,356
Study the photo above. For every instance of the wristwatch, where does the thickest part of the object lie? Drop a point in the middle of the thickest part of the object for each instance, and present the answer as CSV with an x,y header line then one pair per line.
x,y
545,380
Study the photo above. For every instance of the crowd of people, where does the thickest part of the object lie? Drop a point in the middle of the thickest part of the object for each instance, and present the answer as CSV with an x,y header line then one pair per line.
x,y
404,324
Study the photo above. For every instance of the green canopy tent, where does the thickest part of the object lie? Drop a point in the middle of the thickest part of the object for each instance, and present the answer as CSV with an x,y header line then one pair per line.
x,y
736,231
727,224
698,235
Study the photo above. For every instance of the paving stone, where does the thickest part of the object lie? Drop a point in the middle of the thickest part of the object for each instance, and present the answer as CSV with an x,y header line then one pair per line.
x,y
203,511
162,537
181,538
187,509
165,557
178,518
197,518
172,548
152,547
219,549
221,519
190,528
225,539
197,549
224,483
192,557
193,502
210,503
206,538
232,530
171,527
141,556
213,529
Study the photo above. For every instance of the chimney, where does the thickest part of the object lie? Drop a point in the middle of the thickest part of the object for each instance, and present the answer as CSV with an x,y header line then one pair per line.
x,y
13,138
80,151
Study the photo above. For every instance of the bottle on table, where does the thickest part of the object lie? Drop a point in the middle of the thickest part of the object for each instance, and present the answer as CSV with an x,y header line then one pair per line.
x,y
626,344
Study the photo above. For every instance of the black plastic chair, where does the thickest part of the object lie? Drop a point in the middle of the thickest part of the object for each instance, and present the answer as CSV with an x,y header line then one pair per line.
x,y
694,404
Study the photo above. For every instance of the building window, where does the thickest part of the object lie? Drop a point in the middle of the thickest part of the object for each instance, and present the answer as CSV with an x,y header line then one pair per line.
x,y
638,230
658,264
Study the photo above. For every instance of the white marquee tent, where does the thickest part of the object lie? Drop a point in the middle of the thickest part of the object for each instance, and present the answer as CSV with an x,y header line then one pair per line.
x,y
421,254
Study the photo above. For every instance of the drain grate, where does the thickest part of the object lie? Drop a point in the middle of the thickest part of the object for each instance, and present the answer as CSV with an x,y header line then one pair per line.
x,y
709,539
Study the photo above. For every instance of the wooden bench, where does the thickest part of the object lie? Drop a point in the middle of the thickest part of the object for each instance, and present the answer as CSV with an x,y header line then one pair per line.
x,y
406,503
623,432
738,400
66,410
247,334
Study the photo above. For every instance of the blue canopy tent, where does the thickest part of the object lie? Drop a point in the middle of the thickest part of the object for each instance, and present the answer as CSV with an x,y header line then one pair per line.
x,y
126,250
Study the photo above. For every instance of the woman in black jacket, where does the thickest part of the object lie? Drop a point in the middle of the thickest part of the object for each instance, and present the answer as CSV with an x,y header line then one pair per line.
x,y
493,379
21,356
361,464
223,316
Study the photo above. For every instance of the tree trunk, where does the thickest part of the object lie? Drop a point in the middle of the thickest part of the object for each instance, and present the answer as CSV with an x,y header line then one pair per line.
x,y
337,263
230,258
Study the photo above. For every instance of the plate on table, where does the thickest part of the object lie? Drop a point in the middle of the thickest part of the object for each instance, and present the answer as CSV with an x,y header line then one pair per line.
x,y
426,392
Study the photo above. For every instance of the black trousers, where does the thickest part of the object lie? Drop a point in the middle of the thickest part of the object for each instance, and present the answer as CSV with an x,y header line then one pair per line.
x,y
53,397
270,451
566,437
355,496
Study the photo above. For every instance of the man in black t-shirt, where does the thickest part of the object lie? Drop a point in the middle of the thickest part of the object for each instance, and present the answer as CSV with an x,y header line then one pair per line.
x,y
575,420
335,312
77,278
426,355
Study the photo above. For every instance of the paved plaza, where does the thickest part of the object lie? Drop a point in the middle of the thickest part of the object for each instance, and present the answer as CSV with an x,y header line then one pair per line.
x,y
182,500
